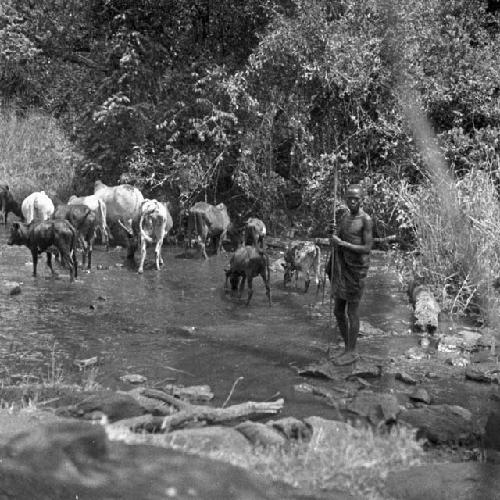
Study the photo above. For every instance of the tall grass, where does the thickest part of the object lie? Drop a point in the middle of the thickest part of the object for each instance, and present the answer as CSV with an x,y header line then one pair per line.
x,y
356,460
35,155
457,230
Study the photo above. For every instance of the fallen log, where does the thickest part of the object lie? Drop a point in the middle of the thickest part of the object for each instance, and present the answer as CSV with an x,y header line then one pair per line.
x,y
425,307
221,415
200,414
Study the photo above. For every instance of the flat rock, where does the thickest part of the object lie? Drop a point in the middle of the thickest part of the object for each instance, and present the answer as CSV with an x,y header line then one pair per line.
x,y
368,330
365,368
11,287
133,378
377,407
405,378
212,438
415,353
362,368
483,372
455,481
327,432
419,394
441,424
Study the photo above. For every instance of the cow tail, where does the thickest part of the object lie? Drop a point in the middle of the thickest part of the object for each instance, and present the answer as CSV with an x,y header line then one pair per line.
x,y
101,209
74,256
143,235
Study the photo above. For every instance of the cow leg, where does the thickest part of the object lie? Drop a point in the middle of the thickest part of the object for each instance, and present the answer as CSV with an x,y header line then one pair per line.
x,y
143,256
265,278
159,260
250,288
70,263
203,249
4,215
242,286
222,237
296,279
307,282
89,251
49,262
34,256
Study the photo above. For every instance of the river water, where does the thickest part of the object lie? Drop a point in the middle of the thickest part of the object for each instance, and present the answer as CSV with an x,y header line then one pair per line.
x,y
178,325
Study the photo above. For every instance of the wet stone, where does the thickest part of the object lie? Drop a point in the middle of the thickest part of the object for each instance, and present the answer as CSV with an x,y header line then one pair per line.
x,y
415,353
377,407
133,378
419,394
483,372
407,379
441,424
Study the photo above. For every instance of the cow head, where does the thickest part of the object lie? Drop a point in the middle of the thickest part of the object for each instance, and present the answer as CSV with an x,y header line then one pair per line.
x,y
18,234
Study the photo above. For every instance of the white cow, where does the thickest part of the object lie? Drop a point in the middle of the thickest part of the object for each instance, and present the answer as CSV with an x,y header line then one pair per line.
x,y
37,206
123,202
98,207
306,257
149,227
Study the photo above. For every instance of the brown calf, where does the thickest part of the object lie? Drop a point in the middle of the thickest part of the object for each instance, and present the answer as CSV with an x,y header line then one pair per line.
x,y
40,236
246,263
84,220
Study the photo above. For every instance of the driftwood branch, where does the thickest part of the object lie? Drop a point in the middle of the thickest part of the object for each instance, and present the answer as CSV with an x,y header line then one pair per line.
x,y
221,415
167,398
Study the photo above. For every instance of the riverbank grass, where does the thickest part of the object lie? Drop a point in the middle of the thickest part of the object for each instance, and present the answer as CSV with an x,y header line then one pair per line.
x,y
357,461
457,231
35,155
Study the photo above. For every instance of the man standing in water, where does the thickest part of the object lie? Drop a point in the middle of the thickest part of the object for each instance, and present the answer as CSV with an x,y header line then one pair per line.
x,y
351,250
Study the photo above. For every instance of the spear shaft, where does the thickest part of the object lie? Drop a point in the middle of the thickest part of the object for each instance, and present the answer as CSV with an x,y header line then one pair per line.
x,y
332,252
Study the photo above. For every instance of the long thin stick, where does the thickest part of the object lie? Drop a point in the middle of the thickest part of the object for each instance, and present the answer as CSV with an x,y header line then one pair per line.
x,y
332,253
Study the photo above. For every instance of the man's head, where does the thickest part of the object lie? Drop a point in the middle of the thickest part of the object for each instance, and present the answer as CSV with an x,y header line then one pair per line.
x,y
353,197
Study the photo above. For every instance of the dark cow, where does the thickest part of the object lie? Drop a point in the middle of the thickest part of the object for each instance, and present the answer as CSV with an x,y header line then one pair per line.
x,y
255,232
207,221
305,257
249,232
84,220
40,236
99,208
8,204
246,263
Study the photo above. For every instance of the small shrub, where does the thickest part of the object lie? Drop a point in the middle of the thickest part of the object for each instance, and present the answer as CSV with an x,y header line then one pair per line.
x,y
35,155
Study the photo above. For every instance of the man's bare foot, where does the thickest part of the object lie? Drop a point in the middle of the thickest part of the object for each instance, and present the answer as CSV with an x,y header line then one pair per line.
x,y
346,358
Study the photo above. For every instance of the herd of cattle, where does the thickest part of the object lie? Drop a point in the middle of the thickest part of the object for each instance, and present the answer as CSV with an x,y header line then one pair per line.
x,y
146,222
